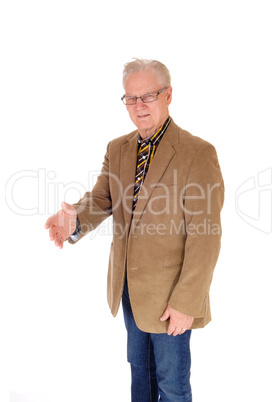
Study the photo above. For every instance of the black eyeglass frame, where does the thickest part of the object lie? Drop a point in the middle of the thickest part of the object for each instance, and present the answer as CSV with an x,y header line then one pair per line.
x,y
140,97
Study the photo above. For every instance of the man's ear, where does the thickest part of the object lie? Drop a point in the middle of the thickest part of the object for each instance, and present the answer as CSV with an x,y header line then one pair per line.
x,y
168,94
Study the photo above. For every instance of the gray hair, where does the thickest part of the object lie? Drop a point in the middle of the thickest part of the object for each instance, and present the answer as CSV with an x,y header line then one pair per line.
x,y
142,65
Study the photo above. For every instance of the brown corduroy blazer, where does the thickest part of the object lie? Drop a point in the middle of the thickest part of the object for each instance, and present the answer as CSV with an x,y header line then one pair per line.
x,y
170,245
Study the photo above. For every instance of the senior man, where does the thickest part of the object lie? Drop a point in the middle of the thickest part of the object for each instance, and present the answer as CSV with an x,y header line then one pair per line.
x,y
165,191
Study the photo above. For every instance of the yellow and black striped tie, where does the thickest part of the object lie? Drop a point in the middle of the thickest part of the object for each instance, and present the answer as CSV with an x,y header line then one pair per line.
x,y
143,156
147,149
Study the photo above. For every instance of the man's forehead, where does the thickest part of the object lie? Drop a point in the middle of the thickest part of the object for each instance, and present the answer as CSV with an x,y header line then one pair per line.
x,y
141,82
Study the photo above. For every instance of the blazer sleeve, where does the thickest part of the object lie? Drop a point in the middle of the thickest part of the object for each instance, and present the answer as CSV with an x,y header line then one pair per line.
x,y
96,205
203,196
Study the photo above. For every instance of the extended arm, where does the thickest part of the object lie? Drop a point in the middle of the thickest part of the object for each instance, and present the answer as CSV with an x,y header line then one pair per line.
x,y
91,210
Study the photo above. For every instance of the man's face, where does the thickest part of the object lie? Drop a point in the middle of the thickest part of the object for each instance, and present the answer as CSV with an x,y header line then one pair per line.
x,y
148,117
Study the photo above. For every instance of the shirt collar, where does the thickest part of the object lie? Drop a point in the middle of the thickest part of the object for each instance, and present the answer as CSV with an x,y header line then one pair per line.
x,y
155,138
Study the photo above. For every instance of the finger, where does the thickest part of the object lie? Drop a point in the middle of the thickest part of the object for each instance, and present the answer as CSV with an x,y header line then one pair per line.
x,y
58,241
165,315
65,205
67,208
177,331
50,221
171,328
53,232
61,242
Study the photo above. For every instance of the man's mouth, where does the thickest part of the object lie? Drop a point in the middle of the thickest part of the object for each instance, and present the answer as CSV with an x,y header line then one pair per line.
x,y
141,116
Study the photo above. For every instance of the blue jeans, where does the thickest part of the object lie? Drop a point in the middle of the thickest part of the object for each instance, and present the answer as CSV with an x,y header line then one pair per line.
x,y
160,364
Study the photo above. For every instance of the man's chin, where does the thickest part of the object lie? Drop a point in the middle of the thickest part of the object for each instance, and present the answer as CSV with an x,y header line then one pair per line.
x,y
144,122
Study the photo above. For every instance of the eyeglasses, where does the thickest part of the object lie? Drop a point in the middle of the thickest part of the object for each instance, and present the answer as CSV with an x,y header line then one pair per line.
x,y
147,98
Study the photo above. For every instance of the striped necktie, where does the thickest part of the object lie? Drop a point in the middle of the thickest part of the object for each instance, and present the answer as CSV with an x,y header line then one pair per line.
x,y
143,157
146,152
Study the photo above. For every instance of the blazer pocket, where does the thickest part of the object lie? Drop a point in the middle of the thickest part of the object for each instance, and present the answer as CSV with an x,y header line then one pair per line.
x,y
164,185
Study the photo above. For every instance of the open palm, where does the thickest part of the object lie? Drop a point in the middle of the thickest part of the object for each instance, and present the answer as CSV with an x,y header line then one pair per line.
x,y
62,224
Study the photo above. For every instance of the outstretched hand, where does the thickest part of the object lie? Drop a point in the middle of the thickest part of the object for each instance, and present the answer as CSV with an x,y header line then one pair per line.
x,y
178,322
62,224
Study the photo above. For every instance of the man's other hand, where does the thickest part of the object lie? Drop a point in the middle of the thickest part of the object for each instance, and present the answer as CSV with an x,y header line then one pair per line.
x,y
178,322
62,224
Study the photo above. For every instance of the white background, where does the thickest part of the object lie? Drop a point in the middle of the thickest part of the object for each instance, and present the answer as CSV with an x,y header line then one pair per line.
x,y
61,66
